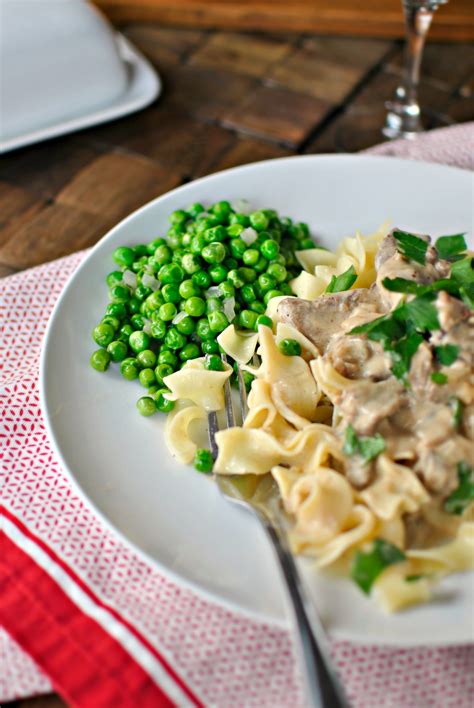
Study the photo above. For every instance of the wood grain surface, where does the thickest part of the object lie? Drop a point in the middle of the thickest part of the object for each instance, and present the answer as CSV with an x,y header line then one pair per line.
x,y
368,18
229,98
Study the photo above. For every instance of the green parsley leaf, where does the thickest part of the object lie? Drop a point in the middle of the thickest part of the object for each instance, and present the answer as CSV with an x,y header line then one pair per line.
x,y
449,246
367,447
402,285
366,567
342,282
458,409
402,353
467,295
463,271
446,354
421,313
464,494
439,378
412,247
385,328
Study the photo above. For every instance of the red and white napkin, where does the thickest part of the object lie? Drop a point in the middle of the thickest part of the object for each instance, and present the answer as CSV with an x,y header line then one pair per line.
x,y
84,615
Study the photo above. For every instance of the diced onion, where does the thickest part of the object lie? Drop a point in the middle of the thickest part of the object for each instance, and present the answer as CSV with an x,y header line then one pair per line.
x,y
147,326
248,236
178,317
150,282
130,278
242,206
214,291
229,308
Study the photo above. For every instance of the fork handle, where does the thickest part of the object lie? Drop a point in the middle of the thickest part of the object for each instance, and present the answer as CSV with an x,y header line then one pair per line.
x,y
322,685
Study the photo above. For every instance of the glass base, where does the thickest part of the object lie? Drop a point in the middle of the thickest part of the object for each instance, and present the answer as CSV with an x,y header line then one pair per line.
x,y
364,127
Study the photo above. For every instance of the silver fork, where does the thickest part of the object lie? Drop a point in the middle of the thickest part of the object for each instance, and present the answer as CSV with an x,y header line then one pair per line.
x,y
259,495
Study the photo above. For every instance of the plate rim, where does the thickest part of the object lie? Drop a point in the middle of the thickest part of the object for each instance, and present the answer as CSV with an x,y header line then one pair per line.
x,y
207,595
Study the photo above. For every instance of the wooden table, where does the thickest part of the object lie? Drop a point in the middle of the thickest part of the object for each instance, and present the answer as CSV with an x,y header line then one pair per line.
x,y
229,98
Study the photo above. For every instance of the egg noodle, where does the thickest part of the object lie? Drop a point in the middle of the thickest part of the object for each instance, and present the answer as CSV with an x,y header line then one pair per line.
x,y
298,412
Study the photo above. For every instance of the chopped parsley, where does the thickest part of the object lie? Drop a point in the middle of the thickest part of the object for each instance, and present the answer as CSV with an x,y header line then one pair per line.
x,y
446,354
450,247
366,567
367,447
402,353
462,272
439,378
464,493
342,282
412,247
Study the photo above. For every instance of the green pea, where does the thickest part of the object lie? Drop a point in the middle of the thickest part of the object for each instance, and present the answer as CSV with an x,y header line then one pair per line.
x,y
258,220
103,334
125,332
195,306
195,209
137,321
235,279
100,360
286,289
188,289
306,244
216,233
124,256
158,329
237,247
114,277
139,264
178,217
114,322
153,245
190,263
203,461
198,242
133,305
257,307
170,292
174,339
171,273
162,403
189,351
146,406
147,377
242,219
234,229
213,362
271,294
201,279
278,272
230,263
142,292
213,304
269,249
119,293
217,321
203,329
210,346
129,369
251,256
261,265
247,319
146,359
162,255
218,273
118,350
167,311
154,301
247,293
186,326
167,357
139,341
248,275
116,309
265,321
215,252
162,371
222,209
227,289
289,347
266,282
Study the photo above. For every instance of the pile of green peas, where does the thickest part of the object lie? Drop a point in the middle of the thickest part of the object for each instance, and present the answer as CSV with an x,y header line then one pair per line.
x,y
142,329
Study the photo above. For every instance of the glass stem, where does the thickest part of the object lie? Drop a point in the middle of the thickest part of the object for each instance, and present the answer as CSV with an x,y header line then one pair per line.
x,y
403,118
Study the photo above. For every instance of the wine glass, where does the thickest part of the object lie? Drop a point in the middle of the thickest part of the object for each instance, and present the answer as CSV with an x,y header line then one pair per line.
x,y
403,118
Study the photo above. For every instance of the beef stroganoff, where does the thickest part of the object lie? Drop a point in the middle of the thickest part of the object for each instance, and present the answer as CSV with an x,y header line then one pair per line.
x,y
366,421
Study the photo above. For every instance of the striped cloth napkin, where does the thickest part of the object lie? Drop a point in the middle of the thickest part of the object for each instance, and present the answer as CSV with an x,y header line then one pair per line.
x,y
85,616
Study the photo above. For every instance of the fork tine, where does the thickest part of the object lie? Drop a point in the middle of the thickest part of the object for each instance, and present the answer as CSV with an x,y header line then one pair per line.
x,y
242,393
213,428
229,410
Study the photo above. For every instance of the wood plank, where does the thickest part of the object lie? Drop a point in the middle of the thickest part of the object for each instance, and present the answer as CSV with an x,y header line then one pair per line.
x,y
277,114
371,18
164,45
246,150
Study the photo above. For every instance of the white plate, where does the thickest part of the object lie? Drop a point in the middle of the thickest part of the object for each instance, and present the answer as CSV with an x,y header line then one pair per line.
x,y
169,512
143,86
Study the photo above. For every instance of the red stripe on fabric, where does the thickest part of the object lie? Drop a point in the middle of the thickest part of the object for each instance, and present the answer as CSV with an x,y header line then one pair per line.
x,y
52,554
86,665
